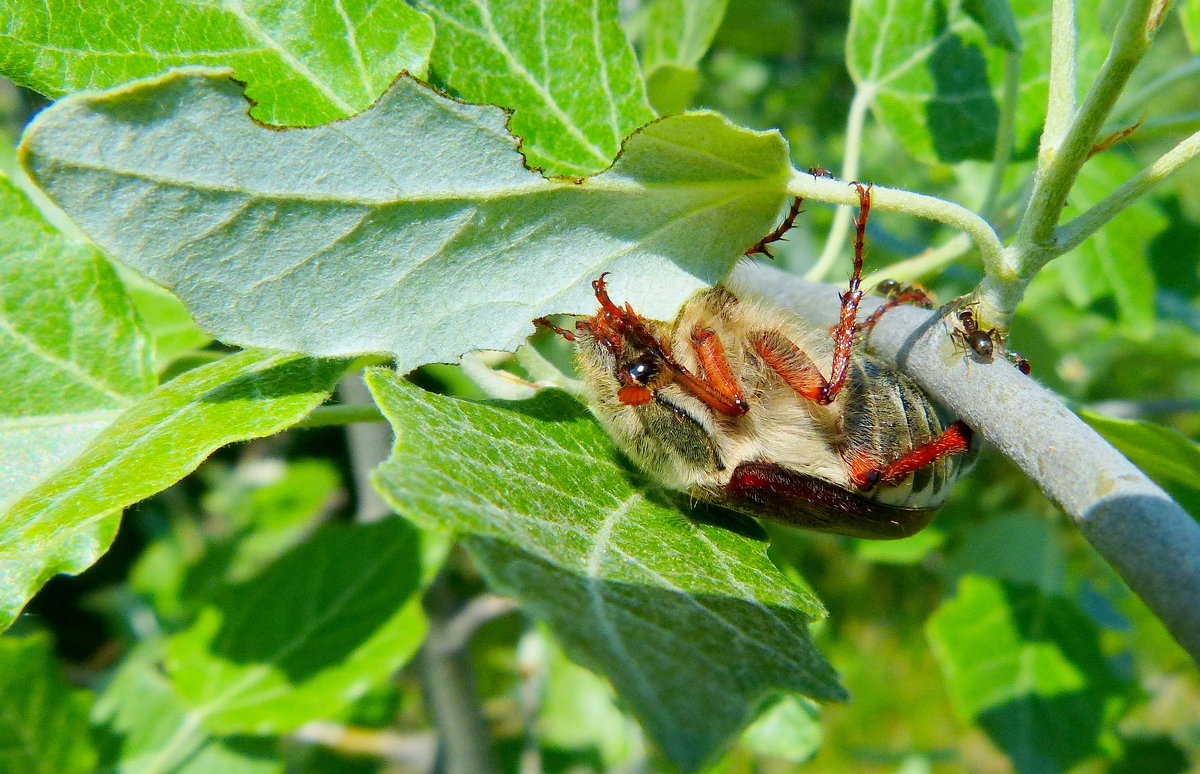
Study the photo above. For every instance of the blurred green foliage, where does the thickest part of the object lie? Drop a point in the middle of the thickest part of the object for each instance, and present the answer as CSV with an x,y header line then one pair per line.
x,y
242,620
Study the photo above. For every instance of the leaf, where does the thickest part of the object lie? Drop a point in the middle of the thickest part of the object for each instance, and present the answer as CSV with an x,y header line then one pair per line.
x,y
1018,547
937,74
1028,669
1114,261
564,68
673,36
43,720
72,351
996,19
1189,15
311,632
305,62
791,730
149,447
364,236
689,620
1162,453
147,730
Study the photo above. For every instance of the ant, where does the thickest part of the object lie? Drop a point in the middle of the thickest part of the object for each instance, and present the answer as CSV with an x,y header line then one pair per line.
x,y
984,343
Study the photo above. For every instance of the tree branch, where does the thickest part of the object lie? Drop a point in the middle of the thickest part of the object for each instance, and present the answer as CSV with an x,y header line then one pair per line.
x,y
1147,537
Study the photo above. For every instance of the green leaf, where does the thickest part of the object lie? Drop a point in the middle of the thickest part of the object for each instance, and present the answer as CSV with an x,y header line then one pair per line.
x,y
791,730
311,632
305,62
996,18
72,351
936,71
1164,454
1020,548
673,36
1028,669
690,621
149,447
43,721
1189,15
564,68
147,730
1114,261
928,74
366,237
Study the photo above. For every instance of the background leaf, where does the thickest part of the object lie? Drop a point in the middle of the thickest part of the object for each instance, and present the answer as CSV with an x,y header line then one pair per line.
x,y
672,36
43,720
563,68
363,237
1027,667
1162,453
690,621
151,446
309,633
297,72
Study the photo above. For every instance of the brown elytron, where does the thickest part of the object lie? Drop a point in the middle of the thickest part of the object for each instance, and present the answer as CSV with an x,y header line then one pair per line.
x,y
745,405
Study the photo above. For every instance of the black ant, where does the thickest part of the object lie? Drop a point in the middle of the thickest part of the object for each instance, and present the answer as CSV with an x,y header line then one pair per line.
x,y
984,343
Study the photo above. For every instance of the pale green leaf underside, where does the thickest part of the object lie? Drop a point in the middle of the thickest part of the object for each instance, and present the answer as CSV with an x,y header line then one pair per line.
x,y
305,62
43,720
412,228
149,447
311,632
563,67
690,621
1027,668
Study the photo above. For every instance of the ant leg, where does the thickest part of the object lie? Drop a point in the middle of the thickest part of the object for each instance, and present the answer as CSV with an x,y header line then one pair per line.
x,y
866,472
714,366
777,234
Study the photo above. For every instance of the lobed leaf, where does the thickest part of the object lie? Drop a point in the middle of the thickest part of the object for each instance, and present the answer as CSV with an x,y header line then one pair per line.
x,y
296,70
689,620
149,447
311,632
43,720
564,68
1028,669
363,236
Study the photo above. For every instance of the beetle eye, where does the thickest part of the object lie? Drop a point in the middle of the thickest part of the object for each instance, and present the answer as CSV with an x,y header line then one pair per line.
x,y
643,369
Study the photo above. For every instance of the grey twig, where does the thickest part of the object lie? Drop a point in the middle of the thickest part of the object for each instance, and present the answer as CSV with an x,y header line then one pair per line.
x,y
1144,534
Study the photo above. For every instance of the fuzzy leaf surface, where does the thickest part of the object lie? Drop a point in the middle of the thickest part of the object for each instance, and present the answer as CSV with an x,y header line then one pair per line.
x,y
1027,668
306,62
149,447
363,236
689,620
564,68
311,632
43,720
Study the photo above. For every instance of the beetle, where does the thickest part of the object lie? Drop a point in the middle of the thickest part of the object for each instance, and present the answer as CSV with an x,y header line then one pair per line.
x,y
747,406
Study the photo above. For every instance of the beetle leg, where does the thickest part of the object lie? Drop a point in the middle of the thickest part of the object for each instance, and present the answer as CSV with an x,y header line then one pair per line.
x,y
545,323
777,234
909,295
843,333
714,366
866,472
792,364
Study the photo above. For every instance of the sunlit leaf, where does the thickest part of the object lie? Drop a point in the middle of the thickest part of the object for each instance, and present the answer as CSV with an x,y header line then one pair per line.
x,y
298,69
689,620
563,68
